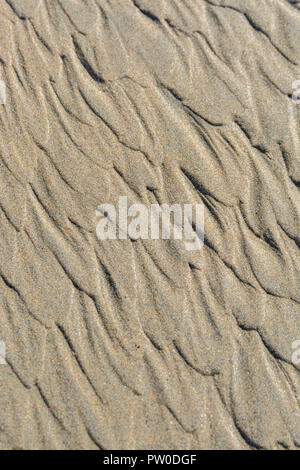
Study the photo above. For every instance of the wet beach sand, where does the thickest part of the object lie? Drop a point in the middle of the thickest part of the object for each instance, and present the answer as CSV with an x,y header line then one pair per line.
x,y
141,343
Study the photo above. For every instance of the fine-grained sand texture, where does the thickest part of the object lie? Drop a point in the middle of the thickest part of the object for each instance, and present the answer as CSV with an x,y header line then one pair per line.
x,y
122,344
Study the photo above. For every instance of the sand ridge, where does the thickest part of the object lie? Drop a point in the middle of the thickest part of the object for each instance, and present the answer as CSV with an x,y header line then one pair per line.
x,y
142,344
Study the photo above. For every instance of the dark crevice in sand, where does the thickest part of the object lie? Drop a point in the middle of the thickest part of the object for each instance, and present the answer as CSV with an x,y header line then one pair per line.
x,y
49,407
85,63
64,334
255,27
184,358
17,375
95,441
146,13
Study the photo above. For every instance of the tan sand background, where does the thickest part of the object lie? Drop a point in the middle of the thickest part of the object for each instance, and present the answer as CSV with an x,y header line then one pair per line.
x,y
144,345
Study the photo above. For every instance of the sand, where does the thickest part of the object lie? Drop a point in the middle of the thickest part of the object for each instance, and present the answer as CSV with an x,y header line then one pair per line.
x,y
143,344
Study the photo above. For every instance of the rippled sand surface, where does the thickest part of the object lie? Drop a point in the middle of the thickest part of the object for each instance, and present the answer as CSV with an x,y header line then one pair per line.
x,y
123,344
